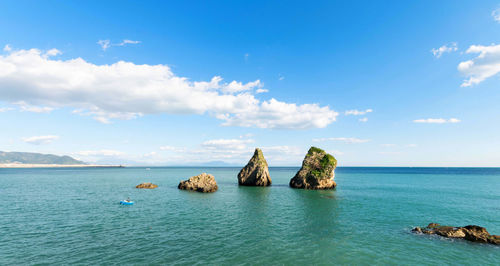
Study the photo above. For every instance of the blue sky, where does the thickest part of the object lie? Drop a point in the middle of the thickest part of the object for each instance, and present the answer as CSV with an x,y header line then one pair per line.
x,y
376,83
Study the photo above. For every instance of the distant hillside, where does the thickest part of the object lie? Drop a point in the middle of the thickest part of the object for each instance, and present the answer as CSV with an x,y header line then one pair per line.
x,y
35,158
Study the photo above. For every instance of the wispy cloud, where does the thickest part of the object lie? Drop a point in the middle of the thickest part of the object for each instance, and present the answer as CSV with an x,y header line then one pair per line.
x,y
238,144
447,48
342,139
145,89
37,140
364,119
358,112
483,66
106,44
5,109
496,15
100,153
124,42
172,148
24,107
281,77
437,120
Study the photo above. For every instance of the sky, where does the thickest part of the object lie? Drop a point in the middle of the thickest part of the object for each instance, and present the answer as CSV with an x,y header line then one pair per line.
x,y
375,83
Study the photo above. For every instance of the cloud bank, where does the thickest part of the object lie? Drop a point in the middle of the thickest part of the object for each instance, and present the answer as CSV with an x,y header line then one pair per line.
x,y
125,90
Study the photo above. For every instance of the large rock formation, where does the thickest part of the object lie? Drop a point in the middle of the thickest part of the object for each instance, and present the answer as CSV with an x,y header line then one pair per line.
x,y
256,172
201,183
147,185
317,171
472,233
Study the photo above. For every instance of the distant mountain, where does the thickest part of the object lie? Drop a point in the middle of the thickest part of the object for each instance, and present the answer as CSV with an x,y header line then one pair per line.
x,y
35,158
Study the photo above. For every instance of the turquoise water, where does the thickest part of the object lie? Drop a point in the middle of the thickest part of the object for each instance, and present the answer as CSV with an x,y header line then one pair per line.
x,y
72,216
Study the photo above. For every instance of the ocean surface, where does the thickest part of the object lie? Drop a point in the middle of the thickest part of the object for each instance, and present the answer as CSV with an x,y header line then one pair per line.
x,y
73,216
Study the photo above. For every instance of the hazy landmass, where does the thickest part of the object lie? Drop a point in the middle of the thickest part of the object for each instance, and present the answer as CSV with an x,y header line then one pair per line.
x,y
37,158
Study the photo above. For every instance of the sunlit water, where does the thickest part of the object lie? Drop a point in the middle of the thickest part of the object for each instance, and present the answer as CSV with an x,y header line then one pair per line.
x,y
73,216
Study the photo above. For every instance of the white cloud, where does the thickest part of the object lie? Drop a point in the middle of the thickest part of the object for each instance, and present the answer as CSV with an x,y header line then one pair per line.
x,y
7,48
5,109
235,86
261,90
100,153
24,107
124,42
437,120
37,140
496,15
411,146
172,148
124,90
485,65
364,119
342,139
280,115
358,112
238,144
53,52
447,48
105,44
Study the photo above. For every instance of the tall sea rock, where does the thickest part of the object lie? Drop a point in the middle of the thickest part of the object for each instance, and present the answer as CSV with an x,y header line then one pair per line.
x,y
317,171
256,172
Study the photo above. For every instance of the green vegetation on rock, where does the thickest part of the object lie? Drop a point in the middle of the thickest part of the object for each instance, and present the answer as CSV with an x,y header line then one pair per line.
x,y
317,171
36,158
313,150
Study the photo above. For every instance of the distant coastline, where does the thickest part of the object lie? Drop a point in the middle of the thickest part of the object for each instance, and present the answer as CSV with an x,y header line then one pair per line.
x,y
29,165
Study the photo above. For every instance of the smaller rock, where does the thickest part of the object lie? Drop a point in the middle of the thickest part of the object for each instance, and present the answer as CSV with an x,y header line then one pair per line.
x,y
472,233
417,230
201,183
147,185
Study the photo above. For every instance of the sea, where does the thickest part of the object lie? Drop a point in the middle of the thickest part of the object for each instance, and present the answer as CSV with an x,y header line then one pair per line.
x,y
61,216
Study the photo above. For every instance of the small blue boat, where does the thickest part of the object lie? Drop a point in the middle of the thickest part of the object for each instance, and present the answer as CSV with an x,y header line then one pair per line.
x,y
126,202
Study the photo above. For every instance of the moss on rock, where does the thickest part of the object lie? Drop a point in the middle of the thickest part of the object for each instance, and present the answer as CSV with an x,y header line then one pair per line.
x,y
317,171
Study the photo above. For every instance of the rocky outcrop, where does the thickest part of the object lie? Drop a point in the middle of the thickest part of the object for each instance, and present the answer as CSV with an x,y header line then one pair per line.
x,y
317,171
472,233
201,183
147,185
256,172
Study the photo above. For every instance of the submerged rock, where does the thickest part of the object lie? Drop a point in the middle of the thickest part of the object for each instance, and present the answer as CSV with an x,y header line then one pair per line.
x,y
147,185
317,171
472,233
201,183
256,172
